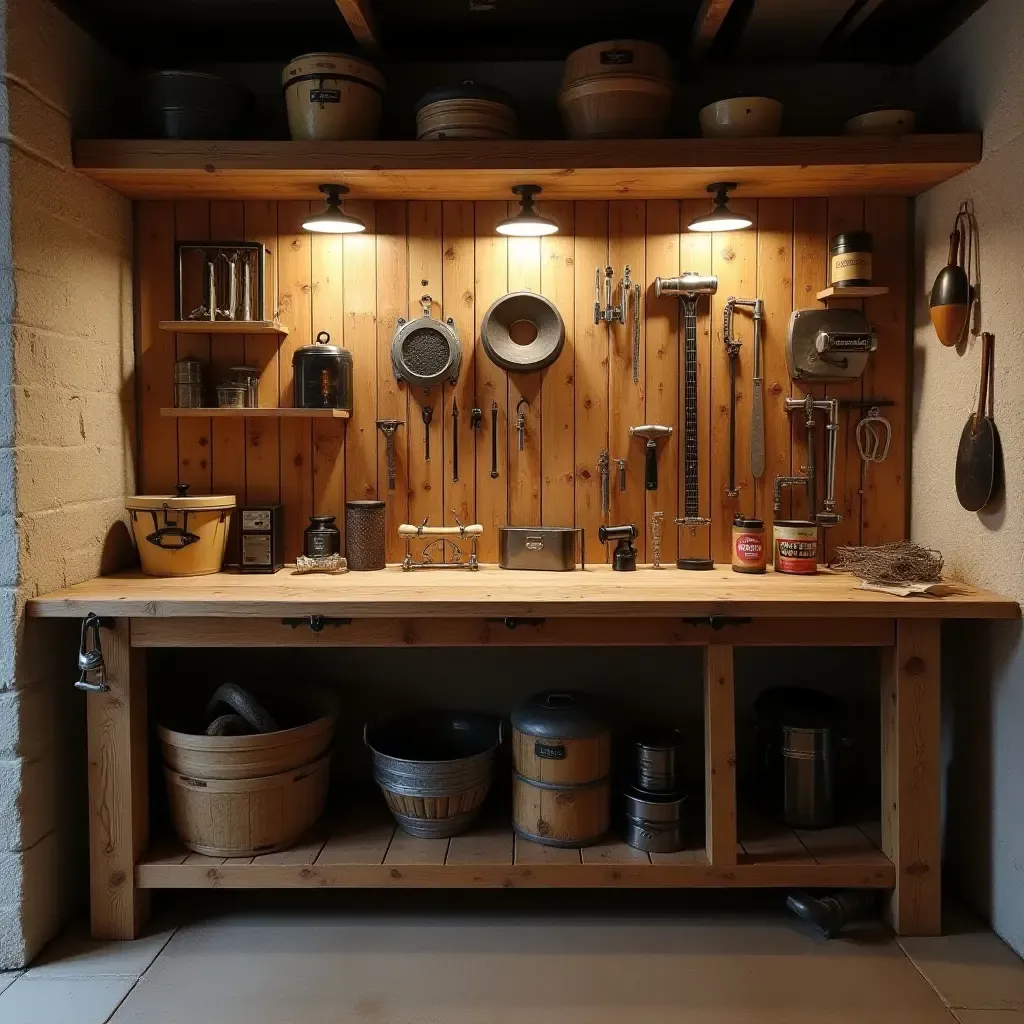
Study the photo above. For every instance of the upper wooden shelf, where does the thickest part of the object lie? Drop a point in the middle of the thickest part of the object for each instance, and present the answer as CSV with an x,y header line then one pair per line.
x,y
868,291
493,592
639,168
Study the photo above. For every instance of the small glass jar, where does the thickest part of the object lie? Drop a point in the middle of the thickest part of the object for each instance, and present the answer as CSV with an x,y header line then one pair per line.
x,y
232,395
748,546
321,537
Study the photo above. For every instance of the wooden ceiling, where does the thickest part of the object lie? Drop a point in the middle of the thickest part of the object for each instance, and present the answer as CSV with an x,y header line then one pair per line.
x,y
178,32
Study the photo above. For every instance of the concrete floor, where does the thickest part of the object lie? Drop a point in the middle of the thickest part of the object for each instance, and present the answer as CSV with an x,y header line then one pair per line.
x,y
469,963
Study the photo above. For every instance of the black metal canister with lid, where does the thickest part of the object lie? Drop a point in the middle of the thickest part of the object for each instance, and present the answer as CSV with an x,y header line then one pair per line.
x,y
364,535
851,257
322,375
321,537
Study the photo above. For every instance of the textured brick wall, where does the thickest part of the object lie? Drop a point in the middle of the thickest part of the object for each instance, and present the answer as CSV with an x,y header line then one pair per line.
x,y
66,413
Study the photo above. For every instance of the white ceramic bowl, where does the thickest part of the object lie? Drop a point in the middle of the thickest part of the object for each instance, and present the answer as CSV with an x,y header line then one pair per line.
x,y
742,117
881,122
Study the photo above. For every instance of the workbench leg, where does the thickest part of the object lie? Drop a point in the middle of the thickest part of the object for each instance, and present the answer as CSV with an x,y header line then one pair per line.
x,y
118,789
719,756
911,776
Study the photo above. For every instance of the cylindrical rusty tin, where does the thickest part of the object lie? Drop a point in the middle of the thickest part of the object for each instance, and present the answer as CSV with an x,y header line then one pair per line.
x,y
364,535
796,547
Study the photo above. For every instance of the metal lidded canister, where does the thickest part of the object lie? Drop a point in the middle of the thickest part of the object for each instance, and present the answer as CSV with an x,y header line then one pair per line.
x,y
657,761
851,254
561,754
654,821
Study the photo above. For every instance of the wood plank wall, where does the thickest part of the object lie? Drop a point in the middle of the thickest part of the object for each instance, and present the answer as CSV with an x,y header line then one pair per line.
x,y
356,286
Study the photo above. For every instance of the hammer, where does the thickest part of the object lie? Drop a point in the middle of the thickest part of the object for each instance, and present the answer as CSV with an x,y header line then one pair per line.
x,y
651,431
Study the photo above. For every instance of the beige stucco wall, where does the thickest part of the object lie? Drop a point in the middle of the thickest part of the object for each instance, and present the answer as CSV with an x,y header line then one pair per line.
x,y
66,411
979,73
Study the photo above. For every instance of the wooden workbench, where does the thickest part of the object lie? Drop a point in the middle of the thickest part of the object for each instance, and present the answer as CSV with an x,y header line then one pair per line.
x,y
719,610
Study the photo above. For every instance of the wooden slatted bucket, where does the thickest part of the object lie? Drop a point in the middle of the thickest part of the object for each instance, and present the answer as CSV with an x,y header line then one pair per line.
x,y
247,817
260,754
466,111
561,753
618,89
332,97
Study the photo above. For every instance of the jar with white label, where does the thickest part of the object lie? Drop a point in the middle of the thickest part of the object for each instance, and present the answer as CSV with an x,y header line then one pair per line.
x,y
850,259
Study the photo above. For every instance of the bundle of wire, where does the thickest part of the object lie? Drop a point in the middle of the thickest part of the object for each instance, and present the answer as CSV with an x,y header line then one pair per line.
x,y
890,564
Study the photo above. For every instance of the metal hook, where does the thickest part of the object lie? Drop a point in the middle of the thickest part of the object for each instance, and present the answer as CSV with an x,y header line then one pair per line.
x,y
90,657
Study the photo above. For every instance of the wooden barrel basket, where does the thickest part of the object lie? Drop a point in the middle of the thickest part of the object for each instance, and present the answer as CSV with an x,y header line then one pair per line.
x,y
240,796
471,110
332,97
561,755
616,90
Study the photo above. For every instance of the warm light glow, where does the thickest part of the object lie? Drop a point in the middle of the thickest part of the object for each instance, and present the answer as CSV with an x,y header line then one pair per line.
x,y
720,220
334,223
523,226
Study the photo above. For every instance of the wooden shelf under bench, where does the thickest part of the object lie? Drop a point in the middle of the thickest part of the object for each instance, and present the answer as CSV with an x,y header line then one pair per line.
x,y
377,854
566,169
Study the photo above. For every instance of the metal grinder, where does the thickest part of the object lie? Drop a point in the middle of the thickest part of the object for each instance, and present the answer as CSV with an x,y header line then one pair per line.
x,y
624,555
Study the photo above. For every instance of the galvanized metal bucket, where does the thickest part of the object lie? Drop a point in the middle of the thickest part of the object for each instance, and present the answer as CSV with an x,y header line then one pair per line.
x,y
434,769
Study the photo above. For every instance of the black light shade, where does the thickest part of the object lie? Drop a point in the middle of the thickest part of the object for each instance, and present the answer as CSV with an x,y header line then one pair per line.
x,y
527,223
334,220
721,218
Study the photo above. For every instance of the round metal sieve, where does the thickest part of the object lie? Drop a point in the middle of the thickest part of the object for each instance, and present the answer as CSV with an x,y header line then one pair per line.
x,y
426,351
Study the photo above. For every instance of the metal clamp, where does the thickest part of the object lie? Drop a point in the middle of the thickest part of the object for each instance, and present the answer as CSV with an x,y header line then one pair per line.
x,y
509,622
316,623
90,655
716,622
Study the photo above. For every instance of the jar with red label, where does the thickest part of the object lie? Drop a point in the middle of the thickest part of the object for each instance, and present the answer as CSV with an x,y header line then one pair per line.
x,y
748,546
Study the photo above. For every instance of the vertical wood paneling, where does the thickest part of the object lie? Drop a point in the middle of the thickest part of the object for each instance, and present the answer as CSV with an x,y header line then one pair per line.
x,y
328,303
227,221
154,349
775,286
591,373
356,288
263,436
558,391
426,477
360,434
524,471
810,262
734,260
627,224
661,368
295,269
695,255
884,506
392,302
460,304
491,255
844,214
192,223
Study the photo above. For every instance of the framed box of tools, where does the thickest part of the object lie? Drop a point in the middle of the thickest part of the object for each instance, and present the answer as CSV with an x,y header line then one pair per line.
x,y
223,281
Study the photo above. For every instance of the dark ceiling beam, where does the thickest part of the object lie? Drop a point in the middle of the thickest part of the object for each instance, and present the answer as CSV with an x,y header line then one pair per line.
x,y
791,28
360,20
710,18
856,17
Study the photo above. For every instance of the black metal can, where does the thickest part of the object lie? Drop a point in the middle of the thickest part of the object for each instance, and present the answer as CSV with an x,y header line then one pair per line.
x,y
321,537
851,256
364,535
322,375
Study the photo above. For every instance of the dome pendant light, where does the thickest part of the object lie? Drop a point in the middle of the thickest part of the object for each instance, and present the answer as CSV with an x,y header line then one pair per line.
x,y
527,223
334,220
721,218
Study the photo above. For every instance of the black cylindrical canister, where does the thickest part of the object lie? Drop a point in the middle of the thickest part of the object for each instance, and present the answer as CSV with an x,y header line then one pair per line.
x,y
364,535
851,254
321,537
322,375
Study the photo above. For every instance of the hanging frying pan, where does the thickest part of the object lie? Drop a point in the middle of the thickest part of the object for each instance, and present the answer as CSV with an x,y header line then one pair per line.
x,y
977,460
425,351
522,332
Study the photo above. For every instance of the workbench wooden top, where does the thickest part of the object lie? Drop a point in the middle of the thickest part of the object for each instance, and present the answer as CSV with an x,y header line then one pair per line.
x,y
593,592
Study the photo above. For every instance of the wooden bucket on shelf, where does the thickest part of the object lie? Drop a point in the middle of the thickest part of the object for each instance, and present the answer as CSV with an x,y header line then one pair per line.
x,y
247,817
255,756
332,97
561,753
617,89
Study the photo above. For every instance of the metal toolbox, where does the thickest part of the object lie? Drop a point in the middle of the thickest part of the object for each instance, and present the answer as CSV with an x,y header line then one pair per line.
x,y
262,533
551,548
